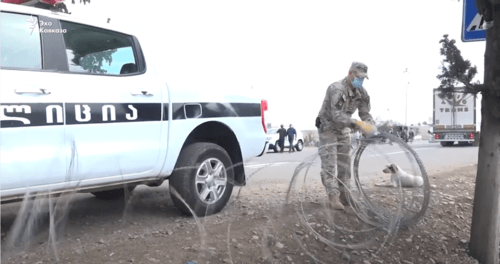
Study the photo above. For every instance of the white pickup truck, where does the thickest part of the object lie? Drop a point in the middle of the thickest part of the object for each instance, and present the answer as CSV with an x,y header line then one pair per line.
x,y
82,109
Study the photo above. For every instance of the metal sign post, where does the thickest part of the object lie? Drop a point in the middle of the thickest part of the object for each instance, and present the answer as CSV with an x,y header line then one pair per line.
x,y
472,23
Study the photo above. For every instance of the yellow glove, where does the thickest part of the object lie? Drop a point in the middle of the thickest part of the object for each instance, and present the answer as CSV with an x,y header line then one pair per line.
x,y
364,126
367,128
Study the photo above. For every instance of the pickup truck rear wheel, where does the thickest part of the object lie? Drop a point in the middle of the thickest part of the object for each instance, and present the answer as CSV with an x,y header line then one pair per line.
x,y
203,179
114,194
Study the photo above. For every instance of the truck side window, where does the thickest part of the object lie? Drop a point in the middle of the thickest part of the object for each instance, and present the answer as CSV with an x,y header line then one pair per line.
x,y
20,41
98,51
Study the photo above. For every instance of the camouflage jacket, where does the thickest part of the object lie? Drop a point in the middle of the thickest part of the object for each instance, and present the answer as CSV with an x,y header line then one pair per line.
x,y
340,103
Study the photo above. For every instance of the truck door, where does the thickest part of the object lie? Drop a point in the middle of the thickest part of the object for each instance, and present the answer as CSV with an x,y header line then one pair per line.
x,y
32,151
113,105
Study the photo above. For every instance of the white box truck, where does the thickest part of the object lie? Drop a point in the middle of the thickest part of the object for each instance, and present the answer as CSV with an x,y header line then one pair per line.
x,y
455,119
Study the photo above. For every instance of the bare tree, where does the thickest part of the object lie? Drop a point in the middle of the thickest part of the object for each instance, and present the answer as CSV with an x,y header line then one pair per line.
x,y
385,126
309,137
485,226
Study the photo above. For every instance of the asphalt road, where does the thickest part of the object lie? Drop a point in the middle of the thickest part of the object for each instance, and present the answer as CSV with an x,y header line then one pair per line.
x,y
278,168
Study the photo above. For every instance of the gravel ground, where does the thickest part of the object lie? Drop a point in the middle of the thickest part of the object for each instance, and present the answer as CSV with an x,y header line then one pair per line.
x,y
257,226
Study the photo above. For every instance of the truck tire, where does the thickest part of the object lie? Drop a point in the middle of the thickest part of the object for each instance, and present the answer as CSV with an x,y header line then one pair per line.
x,y
277,147
299,146
114,194
203,179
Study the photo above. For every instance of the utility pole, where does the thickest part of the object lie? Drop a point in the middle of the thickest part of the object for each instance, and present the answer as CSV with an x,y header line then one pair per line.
x,y
406,105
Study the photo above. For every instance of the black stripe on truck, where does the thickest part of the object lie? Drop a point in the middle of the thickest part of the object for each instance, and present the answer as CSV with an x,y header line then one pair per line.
x,y
49,114
214,110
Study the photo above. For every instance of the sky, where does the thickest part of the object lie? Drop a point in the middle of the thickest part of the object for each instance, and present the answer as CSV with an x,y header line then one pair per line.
x,y
288,52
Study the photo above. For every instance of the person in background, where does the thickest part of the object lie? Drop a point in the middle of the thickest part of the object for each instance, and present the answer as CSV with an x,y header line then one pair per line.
x,y
405,134
357,137
391,131
292,134
282,133
411,134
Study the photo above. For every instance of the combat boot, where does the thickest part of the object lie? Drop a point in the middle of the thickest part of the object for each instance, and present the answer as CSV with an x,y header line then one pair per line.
x,y
335,203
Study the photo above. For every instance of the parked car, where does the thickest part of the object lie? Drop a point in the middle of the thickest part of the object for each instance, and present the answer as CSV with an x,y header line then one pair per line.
x,y
83,109
273,139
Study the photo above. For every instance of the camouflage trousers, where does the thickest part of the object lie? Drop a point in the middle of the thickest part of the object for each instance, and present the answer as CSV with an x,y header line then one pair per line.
x,y
335,153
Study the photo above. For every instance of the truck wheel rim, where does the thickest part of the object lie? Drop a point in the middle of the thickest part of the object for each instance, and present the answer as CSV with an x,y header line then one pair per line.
x,y
211,180
299,145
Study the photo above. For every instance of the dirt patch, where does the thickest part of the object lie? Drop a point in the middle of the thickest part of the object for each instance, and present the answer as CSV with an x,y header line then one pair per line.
x,y
257,227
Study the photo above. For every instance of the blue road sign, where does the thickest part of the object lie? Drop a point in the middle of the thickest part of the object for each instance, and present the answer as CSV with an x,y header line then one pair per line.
x,y
472,23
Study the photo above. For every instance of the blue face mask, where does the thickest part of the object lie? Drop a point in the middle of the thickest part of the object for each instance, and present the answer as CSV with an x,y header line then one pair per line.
x,y
357,82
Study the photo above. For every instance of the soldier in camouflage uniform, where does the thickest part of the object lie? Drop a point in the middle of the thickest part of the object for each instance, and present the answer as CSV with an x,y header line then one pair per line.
x,y
334,124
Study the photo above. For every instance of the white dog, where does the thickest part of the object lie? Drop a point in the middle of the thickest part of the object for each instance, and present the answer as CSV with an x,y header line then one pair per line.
x,y
400,176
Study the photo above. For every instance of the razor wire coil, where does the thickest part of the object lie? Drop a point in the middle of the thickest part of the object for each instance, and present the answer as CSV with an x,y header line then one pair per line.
x,y
404,221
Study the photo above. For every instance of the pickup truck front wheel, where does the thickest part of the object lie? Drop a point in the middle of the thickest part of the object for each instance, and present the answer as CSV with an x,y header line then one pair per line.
x,y
203,179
